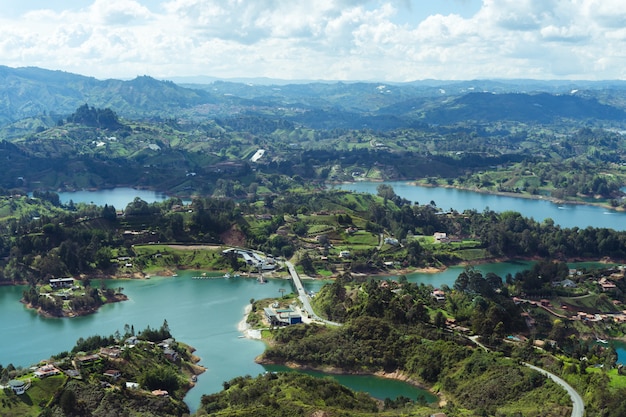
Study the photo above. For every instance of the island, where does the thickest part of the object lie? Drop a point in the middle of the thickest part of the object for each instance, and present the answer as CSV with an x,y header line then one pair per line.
x,y
67,297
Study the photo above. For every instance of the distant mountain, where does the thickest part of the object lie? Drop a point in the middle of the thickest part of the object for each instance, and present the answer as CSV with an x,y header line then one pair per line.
x,y
537,108
30,92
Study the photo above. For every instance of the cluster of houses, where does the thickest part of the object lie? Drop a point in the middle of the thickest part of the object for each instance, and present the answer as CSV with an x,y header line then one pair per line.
x,y
19,386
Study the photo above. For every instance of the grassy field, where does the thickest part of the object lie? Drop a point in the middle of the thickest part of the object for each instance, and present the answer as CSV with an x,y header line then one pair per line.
x,y
153,257
31,402
590,302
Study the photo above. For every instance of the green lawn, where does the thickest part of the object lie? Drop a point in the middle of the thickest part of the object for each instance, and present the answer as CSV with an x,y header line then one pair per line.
x,y
31,402
362,238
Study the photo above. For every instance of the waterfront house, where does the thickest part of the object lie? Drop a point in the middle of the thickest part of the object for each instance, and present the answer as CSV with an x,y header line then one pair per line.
x,y
170,354
45,371
282,317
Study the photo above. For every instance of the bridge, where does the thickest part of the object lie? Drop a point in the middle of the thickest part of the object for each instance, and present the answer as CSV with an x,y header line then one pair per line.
x,y
304,297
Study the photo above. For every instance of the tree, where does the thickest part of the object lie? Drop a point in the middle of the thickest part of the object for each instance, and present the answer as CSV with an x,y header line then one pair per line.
x,y
439,320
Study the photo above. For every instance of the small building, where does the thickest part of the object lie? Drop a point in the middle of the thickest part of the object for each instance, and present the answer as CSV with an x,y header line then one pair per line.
x,y
113,374
87,359
439,295
18,386
566,283
606,285
392,241
72,373
45,371
132,385
282,317
440,237
160,393
111,352
62,282
170,354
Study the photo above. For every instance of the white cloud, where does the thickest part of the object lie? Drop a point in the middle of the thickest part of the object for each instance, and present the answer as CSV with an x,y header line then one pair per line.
x,y
325,39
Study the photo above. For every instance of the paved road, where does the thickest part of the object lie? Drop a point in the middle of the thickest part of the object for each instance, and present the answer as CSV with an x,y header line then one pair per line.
x,y
578,408
304,297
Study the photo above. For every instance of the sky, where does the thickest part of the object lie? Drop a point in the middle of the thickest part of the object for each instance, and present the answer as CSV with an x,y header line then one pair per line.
x,y
377,40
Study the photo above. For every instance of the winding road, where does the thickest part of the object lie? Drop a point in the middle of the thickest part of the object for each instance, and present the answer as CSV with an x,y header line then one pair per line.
x,y
578,407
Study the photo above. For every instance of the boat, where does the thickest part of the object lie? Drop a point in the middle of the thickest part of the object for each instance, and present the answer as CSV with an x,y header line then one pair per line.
x,y
227,275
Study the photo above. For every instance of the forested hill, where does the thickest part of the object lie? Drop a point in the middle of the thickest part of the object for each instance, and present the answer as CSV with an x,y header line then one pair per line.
x,y
31,92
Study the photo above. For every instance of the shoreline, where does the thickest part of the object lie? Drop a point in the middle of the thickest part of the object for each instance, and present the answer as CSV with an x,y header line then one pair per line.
x,y
244,328
557,201
397,375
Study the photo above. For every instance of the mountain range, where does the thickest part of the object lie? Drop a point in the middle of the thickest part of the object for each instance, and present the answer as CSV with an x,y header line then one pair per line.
x,y
32,98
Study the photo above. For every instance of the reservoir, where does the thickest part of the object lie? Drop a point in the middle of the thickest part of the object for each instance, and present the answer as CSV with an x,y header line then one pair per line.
x,y
205,313
565,215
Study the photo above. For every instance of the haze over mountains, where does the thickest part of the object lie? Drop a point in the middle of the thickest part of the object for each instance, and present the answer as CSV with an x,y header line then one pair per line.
x,y
27,93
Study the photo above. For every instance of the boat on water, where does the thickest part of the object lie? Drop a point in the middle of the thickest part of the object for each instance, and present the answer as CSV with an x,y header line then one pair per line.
x,y
227,275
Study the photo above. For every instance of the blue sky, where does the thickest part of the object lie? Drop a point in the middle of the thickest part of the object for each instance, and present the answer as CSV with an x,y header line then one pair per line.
x,y
377,40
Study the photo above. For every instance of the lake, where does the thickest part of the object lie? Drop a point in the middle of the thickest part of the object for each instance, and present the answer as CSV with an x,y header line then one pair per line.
x,y
117,197
565,215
